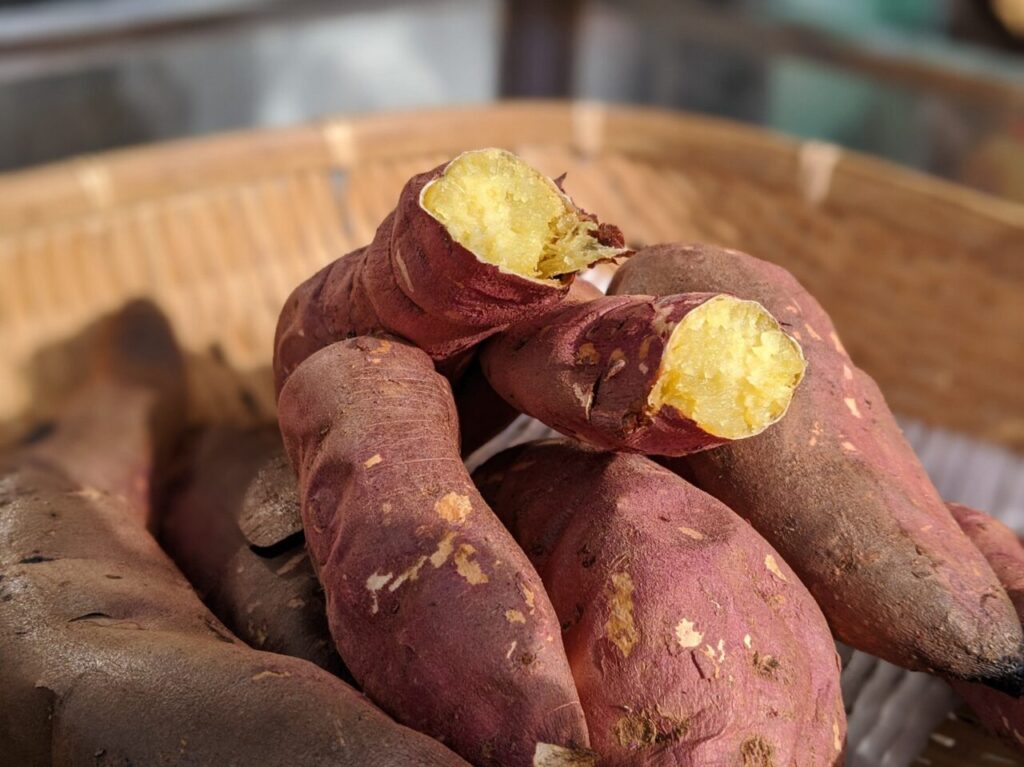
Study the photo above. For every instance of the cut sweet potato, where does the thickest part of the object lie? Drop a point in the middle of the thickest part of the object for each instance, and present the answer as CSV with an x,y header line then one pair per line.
x,y
838,491
420,577
691,641
473,246
665,376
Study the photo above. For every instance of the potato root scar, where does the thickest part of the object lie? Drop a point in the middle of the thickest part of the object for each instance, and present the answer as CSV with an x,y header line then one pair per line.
x,y
372,461
620,629
445,547
773,568
515,616
375,583
687,634
467,567
454,508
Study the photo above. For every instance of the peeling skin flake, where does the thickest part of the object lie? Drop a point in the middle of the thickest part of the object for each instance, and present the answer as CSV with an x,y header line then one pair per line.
x,y
411,574
445,547
467,567
515,616
372,461
375,583
550,755
687,635
773,567
851,405
454,508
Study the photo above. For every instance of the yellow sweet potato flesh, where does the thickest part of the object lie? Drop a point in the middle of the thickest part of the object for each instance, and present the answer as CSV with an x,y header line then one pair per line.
x,y
508,214
730,368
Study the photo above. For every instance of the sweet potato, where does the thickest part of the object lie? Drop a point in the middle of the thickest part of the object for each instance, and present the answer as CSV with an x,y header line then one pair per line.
x,y
109,658
666,376
473,246
997,711
483,413
691,641
838,491
419,575
232,525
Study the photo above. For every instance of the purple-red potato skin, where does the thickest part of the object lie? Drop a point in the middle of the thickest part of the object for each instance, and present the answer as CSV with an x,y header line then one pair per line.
x,y
835,487
998,712
267,594
598,361
483,414
419,575
415,281
691,641
109,657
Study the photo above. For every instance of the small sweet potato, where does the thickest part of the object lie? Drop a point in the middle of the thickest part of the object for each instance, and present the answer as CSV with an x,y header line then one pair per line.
x,y
664,376
691,641
998,712
473,246
109,657
233,526
424,586
838,491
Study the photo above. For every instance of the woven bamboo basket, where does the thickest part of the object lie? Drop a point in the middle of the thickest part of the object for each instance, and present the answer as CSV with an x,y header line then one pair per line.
x,y
924,279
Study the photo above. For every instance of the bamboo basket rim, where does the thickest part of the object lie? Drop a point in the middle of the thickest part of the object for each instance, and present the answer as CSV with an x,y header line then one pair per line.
x,y
96,182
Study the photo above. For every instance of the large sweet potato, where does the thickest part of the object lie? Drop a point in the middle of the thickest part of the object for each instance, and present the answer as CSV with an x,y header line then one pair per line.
x,y
838,491
108,656
420,577
691,641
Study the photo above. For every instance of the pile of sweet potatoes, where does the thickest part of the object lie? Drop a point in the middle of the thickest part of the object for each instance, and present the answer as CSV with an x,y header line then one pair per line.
x,y
572,602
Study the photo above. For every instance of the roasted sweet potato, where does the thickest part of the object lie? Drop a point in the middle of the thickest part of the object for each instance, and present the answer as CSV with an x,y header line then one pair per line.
x,y
691,641
232,524
998,712
838,491
665,376
473,246
423,584
109,657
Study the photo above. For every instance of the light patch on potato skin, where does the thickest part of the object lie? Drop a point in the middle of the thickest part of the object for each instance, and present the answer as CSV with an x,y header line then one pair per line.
x,y
689,532
773,568
851,405
467,567
409,574
847,373
527,596
644,729
849,447
375,583
838,344
746,641
620,629
587,354
445,547
372,461
454,508
837,738
812,332
511,649
687,634
515,616
551,755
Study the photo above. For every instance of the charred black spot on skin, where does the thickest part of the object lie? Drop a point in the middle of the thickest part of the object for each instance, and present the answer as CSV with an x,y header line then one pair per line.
x,y
35,559
1007,677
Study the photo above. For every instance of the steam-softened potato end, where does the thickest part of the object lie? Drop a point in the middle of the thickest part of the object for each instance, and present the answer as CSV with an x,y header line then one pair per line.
x,y
730,368
510,215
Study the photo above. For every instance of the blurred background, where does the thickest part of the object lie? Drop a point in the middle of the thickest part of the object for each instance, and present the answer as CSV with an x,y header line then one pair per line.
x,y
933,84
